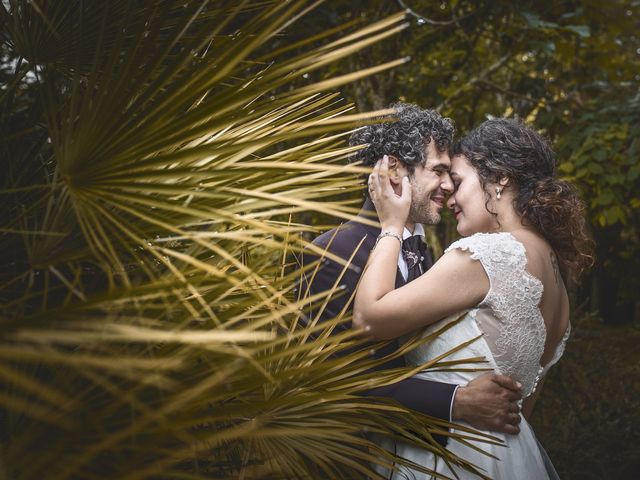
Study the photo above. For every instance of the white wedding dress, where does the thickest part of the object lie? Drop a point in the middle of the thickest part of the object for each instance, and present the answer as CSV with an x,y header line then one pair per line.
x,y
513,338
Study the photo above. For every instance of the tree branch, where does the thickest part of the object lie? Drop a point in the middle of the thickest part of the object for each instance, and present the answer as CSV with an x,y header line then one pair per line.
x,y
473,80
422,19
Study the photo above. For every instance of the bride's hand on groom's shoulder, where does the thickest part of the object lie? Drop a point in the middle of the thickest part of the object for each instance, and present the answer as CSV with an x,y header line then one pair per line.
x,y
489,402
391,196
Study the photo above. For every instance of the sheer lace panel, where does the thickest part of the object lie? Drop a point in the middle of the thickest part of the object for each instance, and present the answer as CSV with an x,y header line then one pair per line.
x,y
559,350
509,316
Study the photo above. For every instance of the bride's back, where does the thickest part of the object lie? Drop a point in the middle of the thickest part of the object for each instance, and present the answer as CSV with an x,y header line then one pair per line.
x,y
542,263
509,317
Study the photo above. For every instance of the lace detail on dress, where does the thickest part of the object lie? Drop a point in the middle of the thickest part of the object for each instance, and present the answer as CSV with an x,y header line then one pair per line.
x,y
514,329
559,350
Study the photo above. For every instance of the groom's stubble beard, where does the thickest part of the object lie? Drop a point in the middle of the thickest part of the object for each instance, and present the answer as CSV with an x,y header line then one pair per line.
x,y
422,209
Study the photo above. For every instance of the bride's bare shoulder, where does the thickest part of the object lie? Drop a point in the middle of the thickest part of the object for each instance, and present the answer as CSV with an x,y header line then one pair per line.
x,y
540,254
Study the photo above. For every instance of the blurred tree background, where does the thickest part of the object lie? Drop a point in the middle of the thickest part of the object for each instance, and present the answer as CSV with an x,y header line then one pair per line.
x,y
160,161
572,70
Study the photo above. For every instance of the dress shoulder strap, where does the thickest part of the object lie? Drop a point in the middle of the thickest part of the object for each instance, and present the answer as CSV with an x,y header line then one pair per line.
x,y
499,253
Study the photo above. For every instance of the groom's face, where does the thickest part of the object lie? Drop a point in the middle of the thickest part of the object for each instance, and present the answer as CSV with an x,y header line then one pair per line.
x,y
430,185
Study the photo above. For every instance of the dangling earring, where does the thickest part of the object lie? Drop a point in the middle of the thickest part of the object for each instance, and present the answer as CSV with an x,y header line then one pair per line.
x,y
498,192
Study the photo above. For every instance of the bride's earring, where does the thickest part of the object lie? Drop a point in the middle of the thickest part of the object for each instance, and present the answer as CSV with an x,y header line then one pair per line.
x,y
498,192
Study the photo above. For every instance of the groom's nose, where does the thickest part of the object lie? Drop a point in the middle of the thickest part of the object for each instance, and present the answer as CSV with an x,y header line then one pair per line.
x,y
447,183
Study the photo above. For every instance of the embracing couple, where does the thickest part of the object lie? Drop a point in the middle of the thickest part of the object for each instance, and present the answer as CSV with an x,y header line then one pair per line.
x,y
523,238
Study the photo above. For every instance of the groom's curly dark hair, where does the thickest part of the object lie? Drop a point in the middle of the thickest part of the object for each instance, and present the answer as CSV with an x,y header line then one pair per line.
x,y
403,135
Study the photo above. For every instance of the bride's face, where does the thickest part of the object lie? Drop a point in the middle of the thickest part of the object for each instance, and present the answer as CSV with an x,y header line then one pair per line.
x,y
469,200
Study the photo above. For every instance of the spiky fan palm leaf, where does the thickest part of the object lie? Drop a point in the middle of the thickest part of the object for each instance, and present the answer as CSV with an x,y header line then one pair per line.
x,y
154,162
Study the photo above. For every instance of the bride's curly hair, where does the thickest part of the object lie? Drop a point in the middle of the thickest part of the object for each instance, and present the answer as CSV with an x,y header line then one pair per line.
x,y
403,135
506,148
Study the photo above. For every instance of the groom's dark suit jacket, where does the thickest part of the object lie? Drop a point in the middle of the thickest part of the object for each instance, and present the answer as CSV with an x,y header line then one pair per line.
x,y
431,398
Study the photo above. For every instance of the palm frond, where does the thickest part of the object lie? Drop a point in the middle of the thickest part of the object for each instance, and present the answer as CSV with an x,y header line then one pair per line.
x,y
158,161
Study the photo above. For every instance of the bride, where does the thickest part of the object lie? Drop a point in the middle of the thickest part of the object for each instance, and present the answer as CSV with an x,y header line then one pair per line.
x,y
524,237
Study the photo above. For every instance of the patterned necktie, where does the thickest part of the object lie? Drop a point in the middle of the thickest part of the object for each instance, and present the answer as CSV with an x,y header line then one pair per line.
x,y
413,249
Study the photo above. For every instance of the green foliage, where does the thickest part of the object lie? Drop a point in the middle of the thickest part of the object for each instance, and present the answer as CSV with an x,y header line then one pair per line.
x,y
567,68
602,155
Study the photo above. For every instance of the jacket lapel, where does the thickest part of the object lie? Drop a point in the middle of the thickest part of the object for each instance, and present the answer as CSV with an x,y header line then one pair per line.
x,y
427,263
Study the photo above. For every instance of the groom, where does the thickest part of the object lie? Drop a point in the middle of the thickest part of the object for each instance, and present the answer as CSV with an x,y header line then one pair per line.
x,y
417,145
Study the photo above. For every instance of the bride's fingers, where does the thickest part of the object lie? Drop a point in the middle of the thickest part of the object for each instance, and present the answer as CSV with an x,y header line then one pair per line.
x,y
374,178
373,194
406,189
377,169
384,178
378,178
384,169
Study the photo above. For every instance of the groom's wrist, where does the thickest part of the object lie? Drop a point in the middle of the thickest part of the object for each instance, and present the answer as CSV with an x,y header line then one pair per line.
x,y
459,404
453,401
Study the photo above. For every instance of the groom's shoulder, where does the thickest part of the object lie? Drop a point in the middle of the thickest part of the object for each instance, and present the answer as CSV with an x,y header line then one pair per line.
x,y
344,239
347,245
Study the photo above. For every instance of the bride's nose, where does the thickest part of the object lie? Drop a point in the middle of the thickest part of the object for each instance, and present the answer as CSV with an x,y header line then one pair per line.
x,y
451,202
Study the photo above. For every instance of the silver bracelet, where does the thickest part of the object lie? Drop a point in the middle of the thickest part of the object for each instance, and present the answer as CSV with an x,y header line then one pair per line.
x,y
388,234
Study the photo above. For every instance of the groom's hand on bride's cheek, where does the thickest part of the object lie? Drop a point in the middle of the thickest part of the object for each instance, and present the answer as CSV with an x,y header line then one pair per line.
x,y
489,403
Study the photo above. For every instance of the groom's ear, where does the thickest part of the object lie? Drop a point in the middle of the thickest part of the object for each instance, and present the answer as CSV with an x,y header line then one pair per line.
x,y
394,170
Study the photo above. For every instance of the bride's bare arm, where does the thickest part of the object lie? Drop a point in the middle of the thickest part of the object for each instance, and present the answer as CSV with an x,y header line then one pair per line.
x,y
454,283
